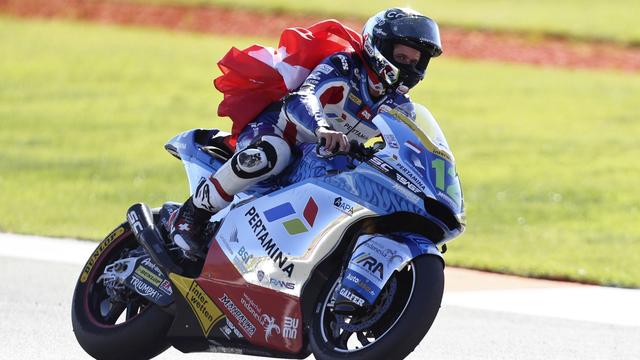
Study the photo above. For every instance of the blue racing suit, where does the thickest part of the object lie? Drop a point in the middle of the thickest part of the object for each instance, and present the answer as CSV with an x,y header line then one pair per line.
x,y
334,95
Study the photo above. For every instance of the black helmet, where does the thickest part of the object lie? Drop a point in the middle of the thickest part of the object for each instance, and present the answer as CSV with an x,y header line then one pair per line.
x,y
400,26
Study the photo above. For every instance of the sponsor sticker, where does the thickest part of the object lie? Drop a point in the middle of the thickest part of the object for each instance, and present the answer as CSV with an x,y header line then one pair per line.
x,y
370,264
98,251
134,220
149,263
243,260
365,113
282,284
261,233
225,242
355,99
354,130
290,328
388,170
244,255
368,47
391,141
147,275
361,285
381,165
342,205
390,255
268,322
202,305
166,287
409,195
352,297
343,62
275,282
324,69
408,184
243,321
229,331
144,289
408,173
314,77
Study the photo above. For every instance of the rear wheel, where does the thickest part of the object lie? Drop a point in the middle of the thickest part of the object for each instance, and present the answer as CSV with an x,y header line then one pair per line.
x,y
401,317
112,322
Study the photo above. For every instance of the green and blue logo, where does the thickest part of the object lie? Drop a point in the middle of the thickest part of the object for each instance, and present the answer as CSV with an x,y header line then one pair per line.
x,y
294,226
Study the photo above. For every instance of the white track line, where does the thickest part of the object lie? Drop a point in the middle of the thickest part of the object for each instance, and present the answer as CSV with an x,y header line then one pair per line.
x,y
48,249
583,303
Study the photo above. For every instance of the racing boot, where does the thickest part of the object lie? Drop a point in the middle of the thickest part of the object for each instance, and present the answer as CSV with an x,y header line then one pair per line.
x,y
263,159
187,227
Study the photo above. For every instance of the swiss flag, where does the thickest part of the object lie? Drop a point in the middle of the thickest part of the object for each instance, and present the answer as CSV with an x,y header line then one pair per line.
x,y
255,77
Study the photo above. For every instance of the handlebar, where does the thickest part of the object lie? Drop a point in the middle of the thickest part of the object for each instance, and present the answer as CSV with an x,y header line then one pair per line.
x,y
356,150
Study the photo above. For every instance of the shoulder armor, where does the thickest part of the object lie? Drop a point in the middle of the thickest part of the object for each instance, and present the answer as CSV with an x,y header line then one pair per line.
x,y
342,62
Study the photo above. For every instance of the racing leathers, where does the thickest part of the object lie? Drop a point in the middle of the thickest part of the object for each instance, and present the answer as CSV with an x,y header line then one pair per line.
x,y
335,95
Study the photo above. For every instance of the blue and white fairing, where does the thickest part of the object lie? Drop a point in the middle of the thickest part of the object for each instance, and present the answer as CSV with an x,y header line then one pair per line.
x,y
414,172
424,164
276,239
197,163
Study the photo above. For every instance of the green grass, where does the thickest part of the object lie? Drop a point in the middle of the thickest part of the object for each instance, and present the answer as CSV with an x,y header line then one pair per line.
x,y
84,120
615,20
548,161
548,158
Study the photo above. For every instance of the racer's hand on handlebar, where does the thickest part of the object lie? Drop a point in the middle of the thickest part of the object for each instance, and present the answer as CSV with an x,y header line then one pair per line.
x,y
334,141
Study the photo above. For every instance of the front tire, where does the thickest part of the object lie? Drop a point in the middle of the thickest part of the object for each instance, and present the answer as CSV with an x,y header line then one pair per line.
x,y
414,293
134,329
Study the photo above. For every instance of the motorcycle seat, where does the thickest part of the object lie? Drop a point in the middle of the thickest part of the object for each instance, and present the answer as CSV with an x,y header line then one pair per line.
x,y
217,143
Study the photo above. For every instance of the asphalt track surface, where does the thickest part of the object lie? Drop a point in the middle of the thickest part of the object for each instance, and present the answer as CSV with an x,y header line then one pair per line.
x,y
483,316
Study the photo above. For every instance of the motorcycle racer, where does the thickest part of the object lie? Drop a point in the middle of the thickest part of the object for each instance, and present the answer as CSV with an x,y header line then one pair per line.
x,y
336,103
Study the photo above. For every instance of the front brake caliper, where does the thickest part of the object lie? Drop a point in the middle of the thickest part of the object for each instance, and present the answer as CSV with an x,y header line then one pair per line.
x,y
115,275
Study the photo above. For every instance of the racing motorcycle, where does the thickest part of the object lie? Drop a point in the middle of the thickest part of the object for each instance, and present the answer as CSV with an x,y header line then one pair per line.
x,y
369,225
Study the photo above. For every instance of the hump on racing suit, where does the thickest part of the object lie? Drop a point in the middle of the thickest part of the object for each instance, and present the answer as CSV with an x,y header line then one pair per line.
x,y
279,70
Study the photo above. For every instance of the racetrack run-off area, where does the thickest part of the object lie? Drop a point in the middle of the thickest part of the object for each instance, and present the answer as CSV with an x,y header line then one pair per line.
x,y
483,316
471,44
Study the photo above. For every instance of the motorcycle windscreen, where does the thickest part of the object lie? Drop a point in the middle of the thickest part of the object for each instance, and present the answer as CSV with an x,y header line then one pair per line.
x,y
423,147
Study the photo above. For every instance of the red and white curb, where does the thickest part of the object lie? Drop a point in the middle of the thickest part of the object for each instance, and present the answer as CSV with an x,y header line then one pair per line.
x,y
464,288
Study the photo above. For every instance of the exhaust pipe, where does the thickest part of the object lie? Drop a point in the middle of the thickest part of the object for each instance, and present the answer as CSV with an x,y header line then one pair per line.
x,y
140,219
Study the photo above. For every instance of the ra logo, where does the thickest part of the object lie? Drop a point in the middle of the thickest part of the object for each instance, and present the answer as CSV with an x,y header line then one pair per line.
x,y
370,263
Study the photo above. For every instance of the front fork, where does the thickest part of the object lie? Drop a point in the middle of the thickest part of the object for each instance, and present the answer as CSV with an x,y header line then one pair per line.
x,y
375,258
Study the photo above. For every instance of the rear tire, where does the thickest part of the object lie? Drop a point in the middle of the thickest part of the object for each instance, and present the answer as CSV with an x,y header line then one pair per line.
x,y
140,336
403,325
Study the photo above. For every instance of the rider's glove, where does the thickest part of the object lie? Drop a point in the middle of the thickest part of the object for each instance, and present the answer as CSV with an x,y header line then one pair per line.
x,y
334,140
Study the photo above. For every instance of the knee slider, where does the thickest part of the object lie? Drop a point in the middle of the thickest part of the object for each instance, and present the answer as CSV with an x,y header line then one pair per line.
x,y
267,156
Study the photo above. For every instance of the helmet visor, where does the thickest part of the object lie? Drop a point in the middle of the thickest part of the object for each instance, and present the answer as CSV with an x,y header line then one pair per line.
x,y
419,29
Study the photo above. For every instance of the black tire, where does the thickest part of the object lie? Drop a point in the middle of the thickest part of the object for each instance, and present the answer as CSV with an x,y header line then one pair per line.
x,y
142,336
403,325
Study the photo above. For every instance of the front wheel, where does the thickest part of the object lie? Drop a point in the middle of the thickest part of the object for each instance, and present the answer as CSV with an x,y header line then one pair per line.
x,y
402,315
109,321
